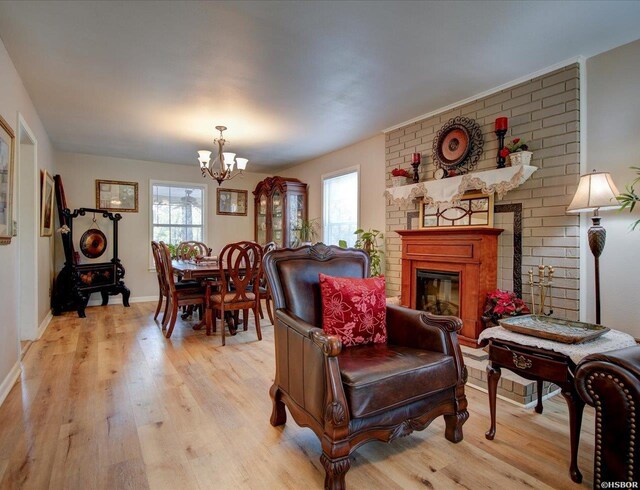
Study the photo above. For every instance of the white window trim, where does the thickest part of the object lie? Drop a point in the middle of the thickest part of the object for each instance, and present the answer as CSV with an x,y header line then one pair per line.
x,y
338,173
205,210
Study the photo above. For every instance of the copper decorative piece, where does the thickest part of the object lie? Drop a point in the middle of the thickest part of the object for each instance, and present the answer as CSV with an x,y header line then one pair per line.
x,y
93,243
457,147
473,209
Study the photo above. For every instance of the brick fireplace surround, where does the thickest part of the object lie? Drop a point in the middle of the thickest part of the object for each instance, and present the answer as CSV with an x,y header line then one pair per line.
x,y
543,111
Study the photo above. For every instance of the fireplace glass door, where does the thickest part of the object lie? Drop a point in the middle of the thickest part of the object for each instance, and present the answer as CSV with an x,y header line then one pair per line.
x,y
438,292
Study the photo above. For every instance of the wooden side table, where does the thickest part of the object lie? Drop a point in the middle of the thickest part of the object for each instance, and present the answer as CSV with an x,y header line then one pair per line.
x,y
538,365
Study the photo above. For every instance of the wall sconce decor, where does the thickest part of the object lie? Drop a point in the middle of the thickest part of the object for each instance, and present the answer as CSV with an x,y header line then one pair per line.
x,y
502,124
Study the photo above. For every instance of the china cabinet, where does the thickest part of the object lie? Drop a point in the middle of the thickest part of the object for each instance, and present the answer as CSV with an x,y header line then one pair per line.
x,y
280,205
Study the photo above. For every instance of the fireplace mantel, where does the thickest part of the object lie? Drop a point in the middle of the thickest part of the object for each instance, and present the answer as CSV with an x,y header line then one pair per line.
x,y
470,252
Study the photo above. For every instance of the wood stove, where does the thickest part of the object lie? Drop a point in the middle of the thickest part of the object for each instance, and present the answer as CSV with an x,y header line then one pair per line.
x,y
449,271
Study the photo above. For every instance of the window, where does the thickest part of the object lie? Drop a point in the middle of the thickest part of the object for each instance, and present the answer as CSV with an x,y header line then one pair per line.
x,y
340,207
178,212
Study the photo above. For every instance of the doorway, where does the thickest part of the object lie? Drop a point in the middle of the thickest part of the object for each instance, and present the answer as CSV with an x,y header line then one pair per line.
x,y
28,232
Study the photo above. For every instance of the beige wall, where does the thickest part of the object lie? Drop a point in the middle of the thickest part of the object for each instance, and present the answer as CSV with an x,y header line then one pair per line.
x,y
613,145
14,99
79,173
369,155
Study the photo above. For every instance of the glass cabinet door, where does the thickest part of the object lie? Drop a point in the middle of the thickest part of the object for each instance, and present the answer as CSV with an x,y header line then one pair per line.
x,y
277,207
261,219
295,215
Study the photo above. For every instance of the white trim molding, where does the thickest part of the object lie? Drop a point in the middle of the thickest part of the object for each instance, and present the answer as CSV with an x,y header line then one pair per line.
x,y
44,324
9,381
494,90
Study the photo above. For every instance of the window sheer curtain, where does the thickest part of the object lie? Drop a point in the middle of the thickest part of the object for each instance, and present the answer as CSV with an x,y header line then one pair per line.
x,y
340,208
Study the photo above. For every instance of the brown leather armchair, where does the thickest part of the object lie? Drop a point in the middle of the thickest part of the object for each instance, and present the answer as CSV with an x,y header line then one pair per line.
x,y
358,394
610,382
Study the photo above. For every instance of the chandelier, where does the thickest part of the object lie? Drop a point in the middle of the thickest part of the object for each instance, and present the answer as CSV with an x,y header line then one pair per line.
x,y
226,161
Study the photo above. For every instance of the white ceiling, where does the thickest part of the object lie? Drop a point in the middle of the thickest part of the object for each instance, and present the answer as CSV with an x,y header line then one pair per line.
x,y
291,80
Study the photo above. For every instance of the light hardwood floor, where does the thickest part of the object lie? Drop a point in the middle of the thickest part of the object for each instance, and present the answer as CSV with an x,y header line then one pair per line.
x,y
108,402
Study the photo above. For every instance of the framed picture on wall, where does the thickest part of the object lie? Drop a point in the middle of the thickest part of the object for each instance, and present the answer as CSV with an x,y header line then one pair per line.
x,y
473,209
116,195
46,204
231,202
7,156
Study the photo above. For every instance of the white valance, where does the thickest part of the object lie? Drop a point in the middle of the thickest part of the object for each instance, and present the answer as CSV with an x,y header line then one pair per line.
x,y
444,191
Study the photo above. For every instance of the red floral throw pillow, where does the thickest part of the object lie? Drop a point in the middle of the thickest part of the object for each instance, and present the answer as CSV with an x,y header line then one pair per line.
x,y
354,309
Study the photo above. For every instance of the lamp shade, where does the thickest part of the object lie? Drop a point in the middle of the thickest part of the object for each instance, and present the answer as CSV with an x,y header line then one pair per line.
x,y
242,163
229,160
595,191
204,157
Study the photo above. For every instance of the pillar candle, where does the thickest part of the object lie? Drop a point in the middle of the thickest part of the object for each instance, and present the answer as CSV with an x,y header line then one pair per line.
x,y
502,124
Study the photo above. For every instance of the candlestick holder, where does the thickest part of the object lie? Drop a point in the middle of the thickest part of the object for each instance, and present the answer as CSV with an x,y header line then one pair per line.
x,y
415,163
500,133
544,283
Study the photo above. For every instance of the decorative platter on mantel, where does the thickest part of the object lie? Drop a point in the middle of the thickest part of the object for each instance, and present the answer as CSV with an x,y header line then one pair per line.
x,y
565,331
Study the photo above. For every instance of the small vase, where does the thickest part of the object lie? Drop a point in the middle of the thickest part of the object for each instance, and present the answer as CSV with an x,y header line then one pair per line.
x,y
520,158
399,181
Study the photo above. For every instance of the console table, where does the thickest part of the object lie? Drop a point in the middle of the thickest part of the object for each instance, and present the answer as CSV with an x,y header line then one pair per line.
x,y
545,360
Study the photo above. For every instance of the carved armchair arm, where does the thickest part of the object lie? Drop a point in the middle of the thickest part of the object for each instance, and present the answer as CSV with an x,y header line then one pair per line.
x,y
331,345
422,330
321,388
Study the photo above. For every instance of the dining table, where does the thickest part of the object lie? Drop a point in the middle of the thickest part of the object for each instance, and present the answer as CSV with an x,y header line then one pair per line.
x,y
207,272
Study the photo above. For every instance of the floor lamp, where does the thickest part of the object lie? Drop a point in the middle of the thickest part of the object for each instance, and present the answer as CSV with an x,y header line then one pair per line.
x,y
596,191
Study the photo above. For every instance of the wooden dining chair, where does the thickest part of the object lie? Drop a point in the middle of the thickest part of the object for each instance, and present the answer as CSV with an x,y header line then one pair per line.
x,y
163,296
265,293
191,249
178,294
240,269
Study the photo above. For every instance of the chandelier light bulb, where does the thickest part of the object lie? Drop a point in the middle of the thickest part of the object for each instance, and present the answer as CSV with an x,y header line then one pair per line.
x,y
204,157
242,163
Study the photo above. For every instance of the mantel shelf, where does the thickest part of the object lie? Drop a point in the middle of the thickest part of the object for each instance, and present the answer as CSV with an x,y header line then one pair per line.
x,y
436,192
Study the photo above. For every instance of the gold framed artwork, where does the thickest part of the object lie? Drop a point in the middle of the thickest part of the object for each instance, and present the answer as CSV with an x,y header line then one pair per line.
x,y
116,195
7,157
47,195
231,202
473,209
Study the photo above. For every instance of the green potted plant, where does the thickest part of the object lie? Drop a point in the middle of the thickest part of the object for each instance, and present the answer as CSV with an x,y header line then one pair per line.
x,y
306,232
629,198
368,241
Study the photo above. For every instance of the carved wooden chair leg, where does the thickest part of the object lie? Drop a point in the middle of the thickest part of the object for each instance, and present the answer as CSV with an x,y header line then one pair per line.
x,y
269,310
261,313
174,317
224,327
335,472
278,414
160,299
245,320
454,423
257,316
165,315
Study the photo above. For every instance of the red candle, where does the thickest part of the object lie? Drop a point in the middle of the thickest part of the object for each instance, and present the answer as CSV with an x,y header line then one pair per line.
x,y
502,123
415,158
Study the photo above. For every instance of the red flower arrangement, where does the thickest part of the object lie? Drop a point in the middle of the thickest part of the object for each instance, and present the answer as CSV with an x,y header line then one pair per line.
x,y
503,303
516,145
400,172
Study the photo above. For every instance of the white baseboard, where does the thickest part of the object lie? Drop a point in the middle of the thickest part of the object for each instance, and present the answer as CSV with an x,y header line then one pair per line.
x,y
113,300
45,323
9,381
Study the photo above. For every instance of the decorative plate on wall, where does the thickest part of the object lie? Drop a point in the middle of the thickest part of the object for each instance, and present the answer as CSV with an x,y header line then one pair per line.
x,y
458,145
